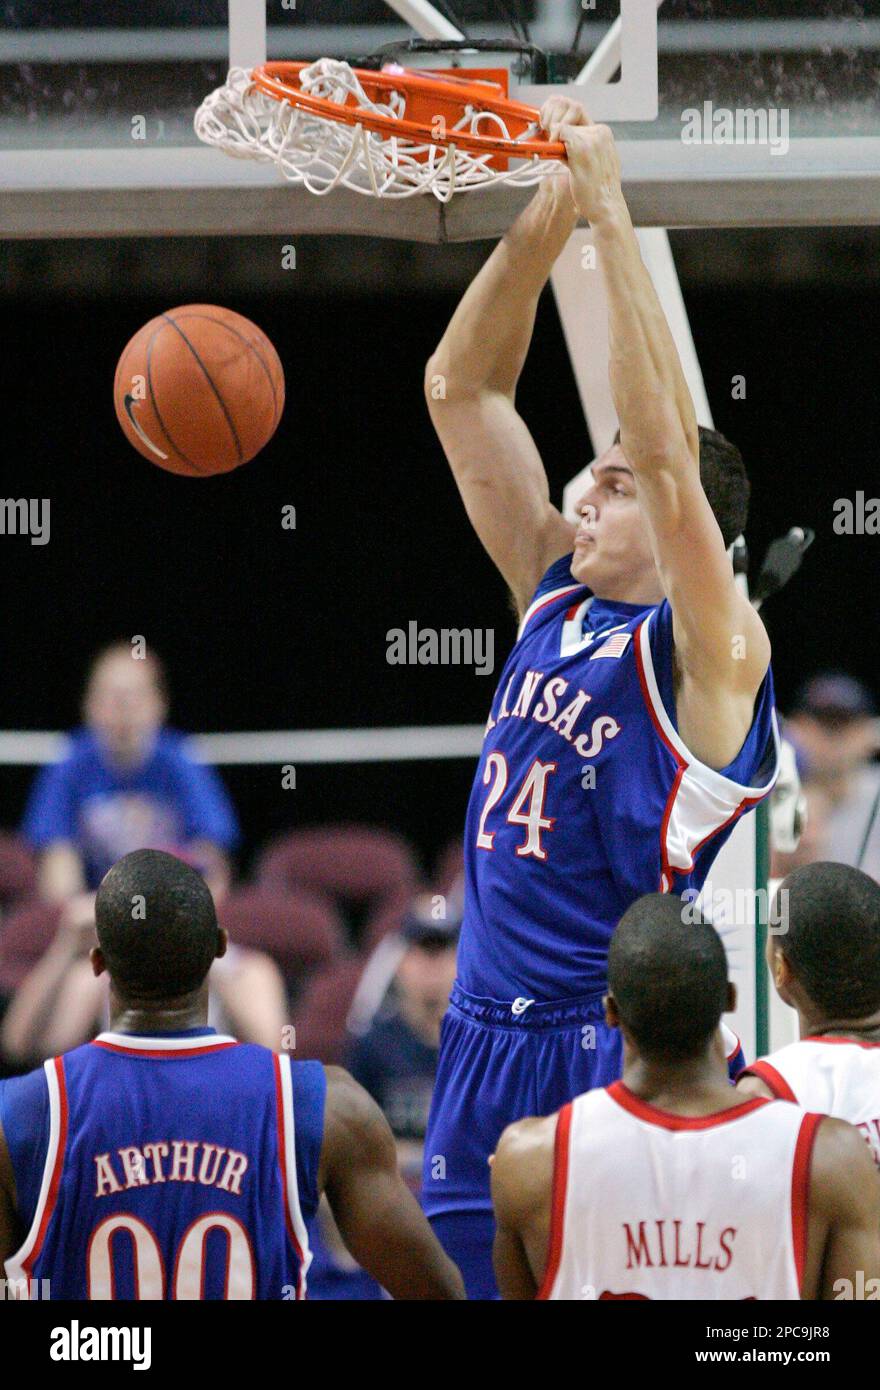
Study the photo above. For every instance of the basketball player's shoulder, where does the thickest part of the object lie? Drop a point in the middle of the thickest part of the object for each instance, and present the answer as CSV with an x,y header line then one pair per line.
x,y
777,1074
842,1173
352,1115
522,1165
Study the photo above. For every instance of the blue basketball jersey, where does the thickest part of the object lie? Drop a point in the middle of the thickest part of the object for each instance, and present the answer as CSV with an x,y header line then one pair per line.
x,y
585,795
155,1167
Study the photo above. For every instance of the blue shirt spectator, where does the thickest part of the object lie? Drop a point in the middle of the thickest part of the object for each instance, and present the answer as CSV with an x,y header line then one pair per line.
x,y
125,783
165,803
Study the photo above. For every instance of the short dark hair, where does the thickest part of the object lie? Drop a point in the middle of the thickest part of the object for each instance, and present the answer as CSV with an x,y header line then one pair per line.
x,y
832,941
668,977
725,482
156,925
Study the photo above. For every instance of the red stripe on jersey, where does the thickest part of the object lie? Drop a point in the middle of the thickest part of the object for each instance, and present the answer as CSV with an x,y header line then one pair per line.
x,y
557,1209
666,872
746,801
772,1078
852,1042
55,1182
642,1110
282,1159
162,1053
683,764
800,1192
552,598
646,696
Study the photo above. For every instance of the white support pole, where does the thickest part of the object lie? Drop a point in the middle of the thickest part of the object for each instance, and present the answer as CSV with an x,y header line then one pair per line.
x,y
583,311
604,61
427,21
247,33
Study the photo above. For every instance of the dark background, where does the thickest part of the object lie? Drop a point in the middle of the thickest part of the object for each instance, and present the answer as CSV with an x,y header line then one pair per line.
x,y
264,628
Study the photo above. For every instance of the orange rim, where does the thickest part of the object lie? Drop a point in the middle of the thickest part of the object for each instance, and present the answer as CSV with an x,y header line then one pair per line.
x,y
281,81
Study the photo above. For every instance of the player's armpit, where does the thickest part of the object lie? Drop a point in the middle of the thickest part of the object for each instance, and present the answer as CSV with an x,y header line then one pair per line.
x,y
378,1218
845,1201
748,1086
501,478
522,1189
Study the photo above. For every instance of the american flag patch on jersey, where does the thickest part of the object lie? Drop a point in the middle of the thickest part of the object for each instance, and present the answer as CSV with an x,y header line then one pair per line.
x,y
614,646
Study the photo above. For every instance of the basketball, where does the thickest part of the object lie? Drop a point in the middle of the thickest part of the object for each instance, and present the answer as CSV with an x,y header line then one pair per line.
x,y
199,390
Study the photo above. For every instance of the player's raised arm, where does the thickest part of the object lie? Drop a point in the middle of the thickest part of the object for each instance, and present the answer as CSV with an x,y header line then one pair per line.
x,y
470,386
722,649
378,1217
845,1206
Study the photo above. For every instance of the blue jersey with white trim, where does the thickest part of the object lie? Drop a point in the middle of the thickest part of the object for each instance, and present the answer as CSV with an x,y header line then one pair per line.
x,y
585,795
165,1167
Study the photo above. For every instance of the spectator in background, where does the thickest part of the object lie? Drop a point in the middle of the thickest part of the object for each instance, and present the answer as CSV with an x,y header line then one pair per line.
x,y
125,783
395,1060
834,730
61,1003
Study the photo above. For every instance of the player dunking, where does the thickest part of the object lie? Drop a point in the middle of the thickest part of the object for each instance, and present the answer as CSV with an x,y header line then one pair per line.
x,y
634,720
826,965
163,1161
669,1184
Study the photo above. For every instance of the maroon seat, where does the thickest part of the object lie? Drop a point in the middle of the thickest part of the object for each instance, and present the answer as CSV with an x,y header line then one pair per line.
x,y
382,923
24,937
366,871
320,1016
449,868
18,871
298,929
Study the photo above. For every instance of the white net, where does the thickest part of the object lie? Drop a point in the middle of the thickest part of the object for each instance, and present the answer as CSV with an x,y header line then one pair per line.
x,y
325,154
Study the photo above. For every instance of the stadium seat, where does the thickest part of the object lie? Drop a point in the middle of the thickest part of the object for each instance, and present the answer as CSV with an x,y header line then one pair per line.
x,y
449,867
320,1017
367,871
300,930
24,937
18,871
383,923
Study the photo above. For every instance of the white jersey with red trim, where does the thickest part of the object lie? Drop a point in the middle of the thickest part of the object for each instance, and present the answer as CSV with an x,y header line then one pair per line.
x,y
836,1076
652,1205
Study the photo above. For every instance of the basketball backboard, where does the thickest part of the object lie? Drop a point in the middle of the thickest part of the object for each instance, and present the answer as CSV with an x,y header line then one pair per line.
x,y
746,113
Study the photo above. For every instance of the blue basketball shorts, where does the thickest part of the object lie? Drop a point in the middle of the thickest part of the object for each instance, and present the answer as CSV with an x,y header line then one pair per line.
x,y
501,1062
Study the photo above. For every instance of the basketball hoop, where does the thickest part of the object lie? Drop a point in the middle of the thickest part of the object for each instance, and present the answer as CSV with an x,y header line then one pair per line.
x,y
389,134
